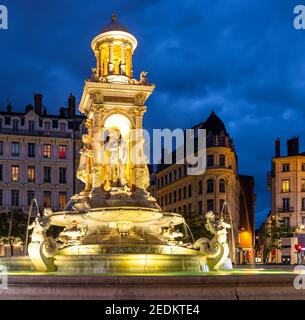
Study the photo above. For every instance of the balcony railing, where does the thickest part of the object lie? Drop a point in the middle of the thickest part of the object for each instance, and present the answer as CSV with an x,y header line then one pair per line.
x,y
284,210
285,190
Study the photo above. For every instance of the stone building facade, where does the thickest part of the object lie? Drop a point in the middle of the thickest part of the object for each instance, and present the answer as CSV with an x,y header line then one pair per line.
x,y
287,186
39,156
193,196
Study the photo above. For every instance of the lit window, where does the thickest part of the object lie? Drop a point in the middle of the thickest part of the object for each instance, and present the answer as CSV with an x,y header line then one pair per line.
x,y
47,151
15,173
62,152
62,200
31,174
286,186
15,149
15,198
47,199
47,125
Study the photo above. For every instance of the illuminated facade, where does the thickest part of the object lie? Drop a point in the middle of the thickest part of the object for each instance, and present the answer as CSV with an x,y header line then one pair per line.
x,y
287,187
193,196
38,156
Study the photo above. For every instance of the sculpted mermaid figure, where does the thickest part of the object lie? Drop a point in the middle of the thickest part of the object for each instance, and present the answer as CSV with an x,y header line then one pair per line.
x,y
217,249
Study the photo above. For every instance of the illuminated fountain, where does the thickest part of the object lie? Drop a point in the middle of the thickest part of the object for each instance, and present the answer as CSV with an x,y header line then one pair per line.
x,y
114,225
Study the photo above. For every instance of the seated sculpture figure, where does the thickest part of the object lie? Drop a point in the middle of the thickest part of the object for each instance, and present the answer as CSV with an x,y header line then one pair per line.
x,y
72,236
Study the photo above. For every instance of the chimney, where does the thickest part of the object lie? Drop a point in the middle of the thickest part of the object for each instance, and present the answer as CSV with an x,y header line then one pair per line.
x,y
293,146
277,147
72,105
9,108
38,103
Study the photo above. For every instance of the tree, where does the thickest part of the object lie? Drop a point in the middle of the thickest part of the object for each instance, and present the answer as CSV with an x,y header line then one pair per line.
x,y
11,241
13,228
272,233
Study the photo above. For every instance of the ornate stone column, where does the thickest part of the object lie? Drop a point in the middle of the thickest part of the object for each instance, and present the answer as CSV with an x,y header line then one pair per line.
x,y
123,64
110,63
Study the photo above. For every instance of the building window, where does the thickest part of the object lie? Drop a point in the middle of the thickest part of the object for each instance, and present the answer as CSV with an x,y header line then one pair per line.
x,y
47,175
175,175
62,152
222,186
286,204
1,197
180,172
165,178
175,196
222,160
162,201
62,199
31,196
15,173
303,204
31,126
303,185
190,191
1,148
15,125
286,167
303,166
55,124
47,199
189,208
286,221
0,124
286,186
15,149
15,198
221,204
63,175
210,205
7,121
170,177
62,127
31,150
179,195
47,151
47,125
1,172
165,199
200,207
200,187
184,192
31,174
170,198
210,161
210,186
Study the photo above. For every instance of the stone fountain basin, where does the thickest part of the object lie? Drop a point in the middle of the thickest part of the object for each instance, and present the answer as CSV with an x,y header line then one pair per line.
x,y
107,216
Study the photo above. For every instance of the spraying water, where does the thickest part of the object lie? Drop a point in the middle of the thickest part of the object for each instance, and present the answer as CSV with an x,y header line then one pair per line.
x,y
225,205
33,203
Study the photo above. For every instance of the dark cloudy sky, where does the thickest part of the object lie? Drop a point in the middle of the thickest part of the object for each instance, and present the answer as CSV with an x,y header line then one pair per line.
x,y
242,59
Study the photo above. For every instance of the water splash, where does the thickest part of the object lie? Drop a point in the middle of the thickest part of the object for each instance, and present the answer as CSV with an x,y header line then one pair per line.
x,y
33,203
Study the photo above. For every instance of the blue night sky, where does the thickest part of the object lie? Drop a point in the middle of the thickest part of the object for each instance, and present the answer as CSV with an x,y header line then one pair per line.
x,y
242,59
